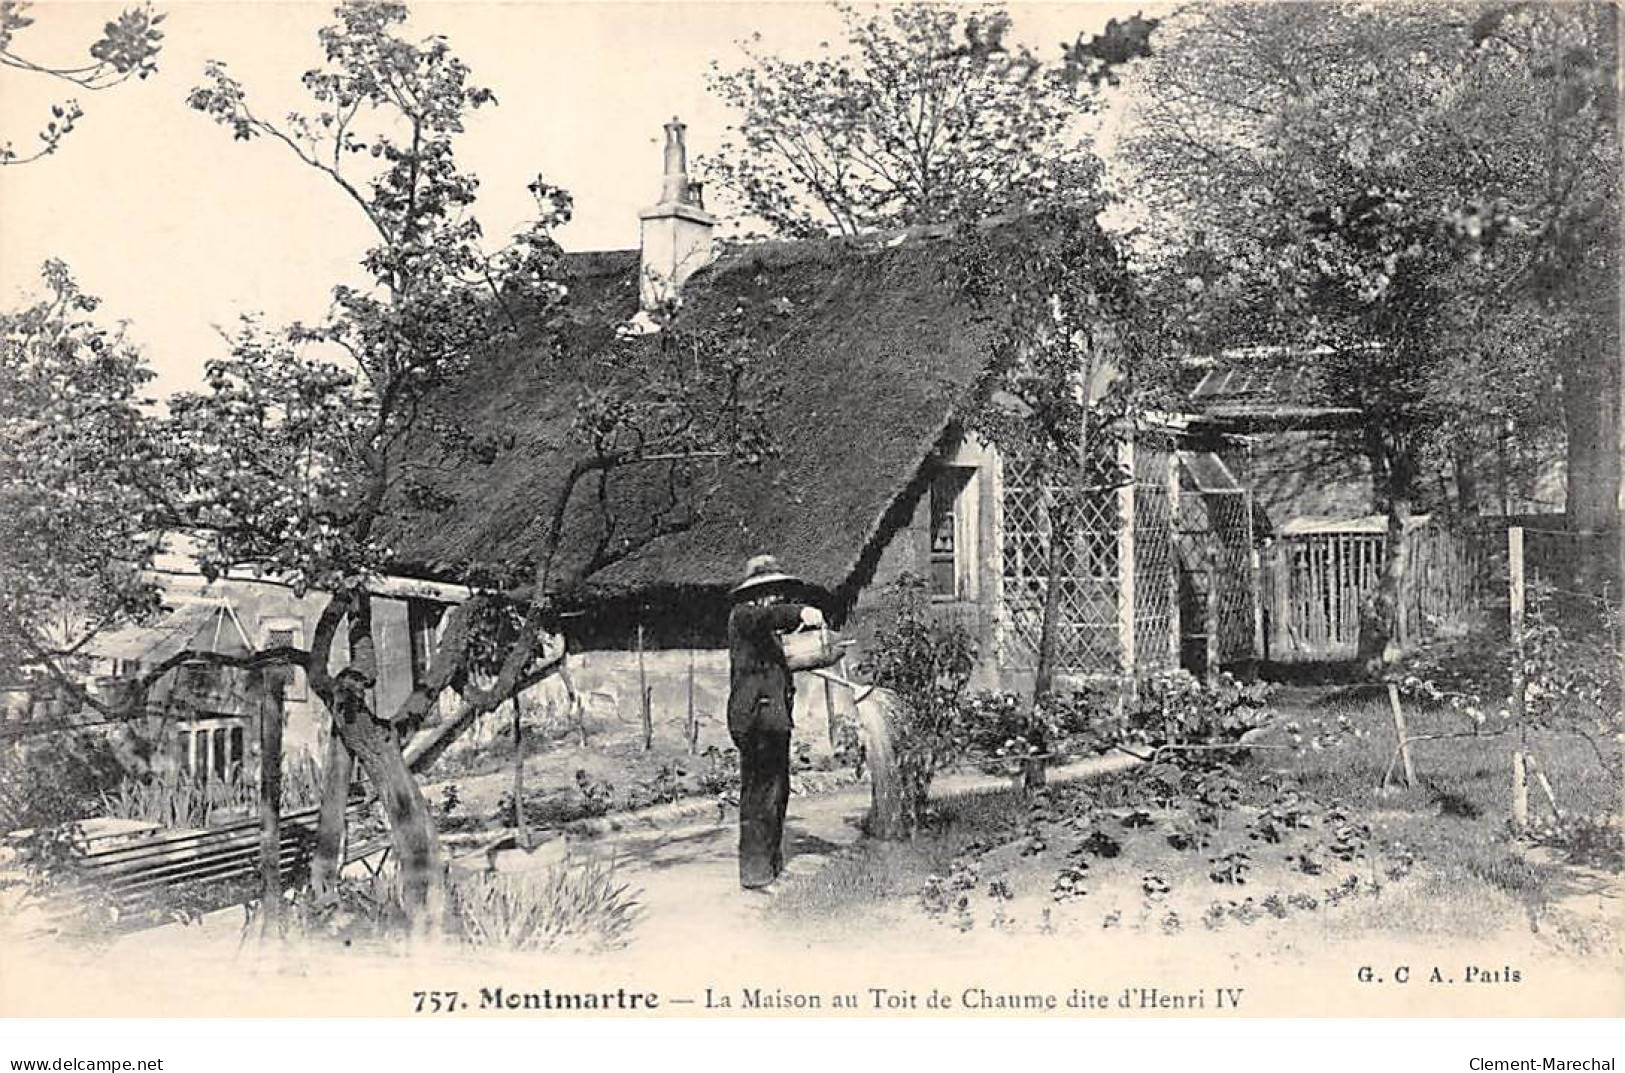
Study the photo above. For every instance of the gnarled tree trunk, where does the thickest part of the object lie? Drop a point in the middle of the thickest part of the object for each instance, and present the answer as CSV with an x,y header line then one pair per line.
x,y
327,859
1381,616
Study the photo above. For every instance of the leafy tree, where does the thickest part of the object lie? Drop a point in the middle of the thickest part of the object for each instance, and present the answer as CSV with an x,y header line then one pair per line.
x,y
308,448
926,115
79,472
1424,211
129,45
307,466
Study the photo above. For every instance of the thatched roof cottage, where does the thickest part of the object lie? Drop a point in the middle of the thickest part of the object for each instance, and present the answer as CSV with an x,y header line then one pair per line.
x,y
873,358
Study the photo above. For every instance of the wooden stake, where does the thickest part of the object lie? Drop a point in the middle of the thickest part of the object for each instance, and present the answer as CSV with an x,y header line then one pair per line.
x,y
1520,792
643,696
829,701
1404,736
521,833
267,694
692,725
1515,593
1515,608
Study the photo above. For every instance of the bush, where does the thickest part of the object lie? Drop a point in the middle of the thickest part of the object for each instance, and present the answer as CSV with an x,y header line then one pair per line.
x,y
925,665
56,778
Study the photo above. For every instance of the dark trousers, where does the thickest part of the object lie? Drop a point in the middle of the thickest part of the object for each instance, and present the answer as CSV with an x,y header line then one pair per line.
x,y
764,792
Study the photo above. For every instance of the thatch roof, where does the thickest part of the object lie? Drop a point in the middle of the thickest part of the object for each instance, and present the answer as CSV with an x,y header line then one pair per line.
x,y
873,350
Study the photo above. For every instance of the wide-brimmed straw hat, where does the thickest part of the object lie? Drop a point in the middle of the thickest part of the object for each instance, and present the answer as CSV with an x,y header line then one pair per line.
x,y
762,571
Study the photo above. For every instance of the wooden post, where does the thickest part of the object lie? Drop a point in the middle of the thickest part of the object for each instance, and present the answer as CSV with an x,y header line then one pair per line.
x,y
1520,791
643,696
1211,666
521,833
266,691
1520,779
1255,569
829,702
1403,734
693,721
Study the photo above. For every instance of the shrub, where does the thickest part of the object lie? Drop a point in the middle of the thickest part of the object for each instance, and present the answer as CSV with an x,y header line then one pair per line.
x,y
925,665
56,778
721,773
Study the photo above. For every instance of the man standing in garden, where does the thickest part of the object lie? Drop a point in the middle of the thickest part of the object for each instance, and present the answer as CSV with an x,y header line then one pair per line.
x,y
761,694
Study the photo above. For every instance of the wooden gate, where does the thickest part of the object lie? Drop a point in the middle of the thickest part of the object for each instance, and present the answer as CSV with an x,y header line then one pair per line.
x,y
1319,574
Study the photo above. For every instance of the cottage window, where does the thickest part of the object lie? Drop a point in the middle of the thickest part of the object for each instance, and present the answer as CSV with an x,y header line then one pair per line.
x,y
212,749
953,534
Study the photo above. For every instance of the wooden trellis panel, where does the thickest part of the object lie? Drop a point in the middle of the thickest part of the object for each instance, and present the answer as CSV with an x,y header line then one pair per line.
x,y
1156,610
1088,636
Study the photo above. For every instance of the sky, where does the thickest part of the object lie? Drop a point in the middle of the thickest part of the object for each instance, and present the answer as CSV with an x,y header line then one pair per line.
x,y
181,231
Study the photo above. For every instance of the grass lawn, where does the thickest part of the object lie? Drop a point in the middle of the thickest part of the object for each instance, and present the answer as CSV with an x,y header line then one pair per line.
x,y
1292,846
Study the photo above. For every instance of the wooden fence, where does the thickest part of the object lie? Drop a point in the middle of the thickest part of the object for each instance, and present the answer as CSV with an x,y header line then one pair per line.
x,y
1316,583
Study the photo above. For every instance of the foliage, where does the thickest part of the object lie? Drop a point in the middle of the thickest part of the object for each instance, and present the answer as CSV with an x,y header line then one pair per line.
x,y
578,908
56,778
77,460
924,114
926,665
1589,841
1423,220
128,45
720,775
1570,670
312,445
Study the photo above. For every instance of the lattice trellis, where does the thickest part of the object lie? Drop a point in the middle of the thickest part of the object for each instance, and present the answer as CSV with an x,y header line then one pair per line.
x,y
1155,610
1132,597
1215,542
1087,639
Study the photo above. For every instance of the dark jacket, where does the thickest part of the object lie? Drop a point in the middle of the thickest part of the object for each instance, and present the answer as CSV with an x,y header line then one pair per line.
x,y
760,688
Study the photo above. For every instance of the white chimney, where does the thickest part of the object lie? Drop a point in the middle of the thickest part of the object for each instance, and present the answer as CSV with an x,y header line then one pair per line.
x,y
676,233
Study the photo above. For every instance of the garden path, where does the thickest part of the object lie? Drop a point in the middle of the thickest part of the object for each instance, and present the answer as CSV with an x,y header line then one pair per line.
x,y
688,874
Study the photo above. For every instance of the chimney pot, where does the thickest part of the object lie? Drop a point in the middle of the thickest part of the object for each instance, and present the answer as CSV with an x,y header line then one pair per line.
x,y
676,233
